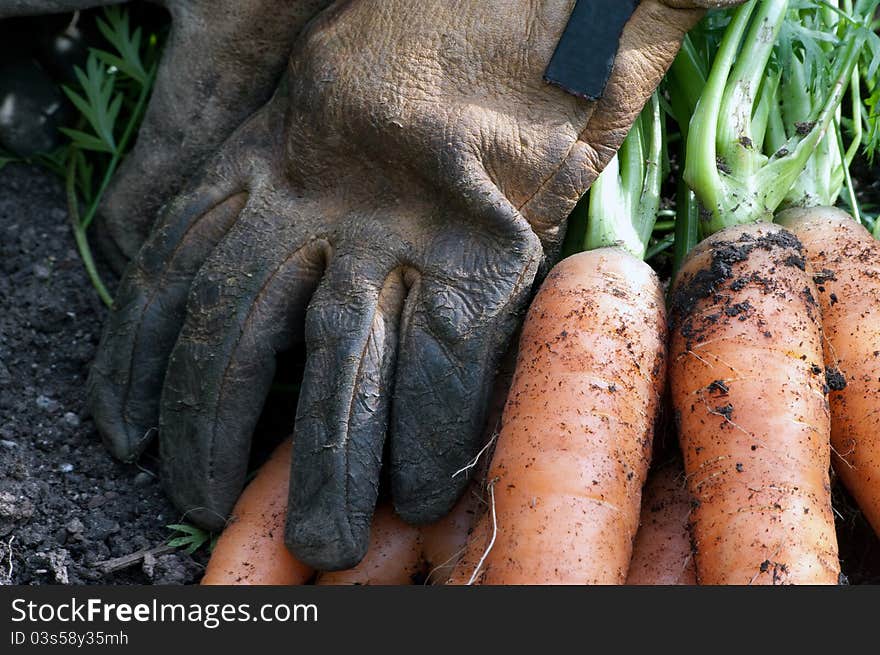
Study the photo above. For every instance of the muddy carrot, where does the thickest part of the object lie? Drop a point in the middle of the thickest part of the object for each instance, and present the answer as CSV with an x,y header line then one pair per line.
x,y
662,553
394,556
254,536
572,454
748,389
845,263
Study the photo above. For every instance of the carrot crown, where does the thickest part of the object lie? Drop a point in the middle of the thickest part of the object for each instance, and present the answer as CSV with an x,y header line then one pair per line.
x,y
625,198
773,90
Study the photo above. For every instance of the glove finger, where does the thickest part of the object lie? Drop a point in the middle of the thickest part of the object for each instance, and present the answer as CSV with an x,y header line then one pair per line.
x,y
462,316
149,309
222,62
126,377
342,417
247,304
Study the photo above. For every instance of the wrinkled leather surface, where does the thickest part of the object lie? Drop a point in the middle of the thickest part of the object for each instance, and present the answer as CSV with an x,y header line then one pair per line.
x,y
222,61
392,205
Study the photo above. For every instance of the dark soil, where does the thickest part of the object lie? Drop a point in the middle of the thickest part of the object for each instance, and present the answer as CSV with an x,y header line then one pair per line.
x,y
66,506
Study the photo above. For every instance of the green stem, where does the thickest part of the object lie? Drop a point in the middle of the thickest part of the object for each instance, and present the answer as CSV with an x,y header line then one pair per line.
x,y
765,107
81,225
625,198
648,201
735,139
774,180
732,177
79,232
847,179
687,224
855,92
775,137
686,79
608,211
701,167
663,244
797,106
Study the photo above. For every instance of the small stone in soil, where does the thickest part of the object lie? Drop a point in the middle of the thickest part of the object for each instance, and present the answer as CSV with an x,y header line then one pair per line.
x,y
75,526
71,419
46,403
174,569
15,507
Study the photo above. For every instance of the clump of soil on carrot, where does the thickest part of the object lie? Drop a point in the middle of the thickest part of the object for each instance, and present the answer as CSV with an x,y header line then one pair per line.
x,y
718,276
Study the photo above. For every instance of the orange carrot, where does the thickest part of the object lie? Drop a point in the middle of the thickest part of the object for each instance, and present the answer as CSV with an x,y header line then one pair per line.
x,y
251,549
662,553
444,542
845,260
572,454
747,387
393,558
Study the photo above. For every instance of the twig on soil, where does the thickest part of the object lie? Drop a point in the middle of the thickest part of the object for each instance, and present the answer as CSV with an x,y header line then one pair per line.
x,y
120,563
7,579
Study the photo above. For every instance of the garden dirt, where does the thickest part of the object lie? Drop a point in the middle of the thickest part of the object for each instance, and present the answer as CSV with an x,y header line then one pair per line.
x,y
69,512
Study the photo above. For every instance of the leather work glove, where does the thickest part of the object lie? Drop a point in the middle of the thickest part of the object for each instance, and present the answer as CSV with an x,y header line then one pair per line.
x,y
392,205
222,61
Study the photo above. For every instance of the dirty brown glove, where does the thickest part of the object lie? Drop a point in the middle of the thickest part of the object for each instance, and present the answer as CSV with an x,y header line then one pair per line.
x,y
392,205
222,61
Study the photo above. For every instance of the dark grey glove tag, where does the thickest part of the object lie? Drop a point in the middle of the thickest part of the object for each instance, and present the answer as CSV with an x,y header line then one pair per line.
x,y
585,54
